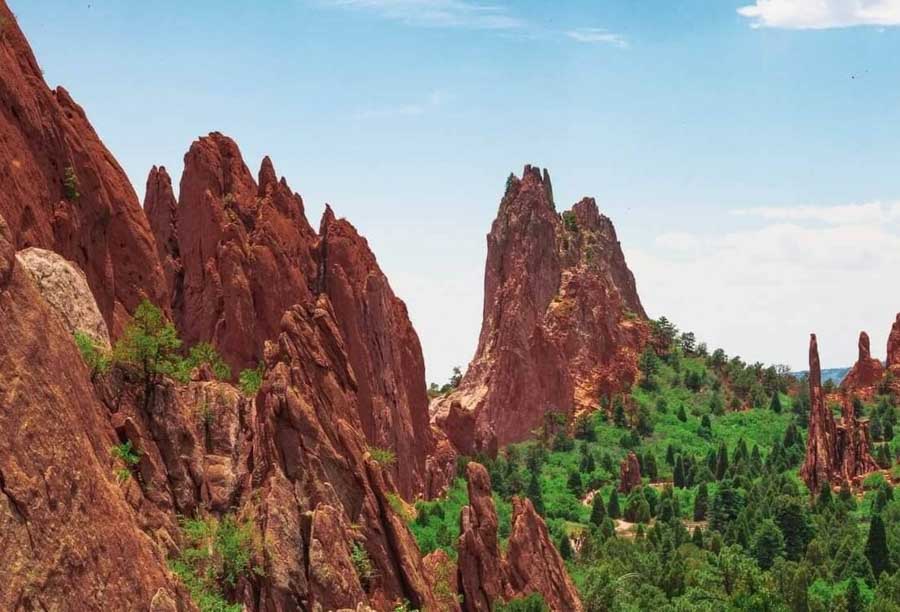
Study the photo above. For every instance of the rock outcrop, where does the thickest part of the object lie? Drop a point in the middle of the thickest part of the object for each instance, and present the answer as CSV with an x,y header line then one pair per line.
x,y
562,323
64,286
62,190
68,536
865,375
835,453
629,473
531,564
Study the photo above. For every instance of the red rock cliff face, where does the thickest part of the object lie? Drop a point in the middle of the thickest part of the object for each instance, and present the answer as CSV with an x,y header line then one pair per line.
x,y
562,322
531,563
834,452
239,254
68,536
96,221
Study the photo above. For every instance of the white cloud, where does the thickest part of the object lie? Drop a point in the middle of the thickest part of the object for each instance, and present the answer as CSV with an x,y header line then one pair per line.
x,y
759,292
822,14
871,212
437,13
598,35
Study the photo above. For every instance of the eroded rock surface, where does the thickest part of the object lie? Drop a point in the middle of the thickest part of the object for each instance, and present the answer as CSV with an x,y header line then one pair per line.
x,y
562,323
64,287
629,473
865,375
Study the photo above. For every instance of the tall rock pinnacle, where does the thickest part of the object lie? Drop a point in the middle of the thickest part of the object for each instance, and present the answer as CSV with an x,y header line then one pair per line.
x,y
562,322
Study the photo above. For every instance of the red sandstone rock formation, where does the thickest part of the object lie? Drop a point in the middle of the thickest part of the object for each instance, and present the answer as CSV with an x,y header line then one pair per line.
x,y
62,190
68,536
893,344
238,254
629,473
562,323
311,456
866,373
531,564
834,452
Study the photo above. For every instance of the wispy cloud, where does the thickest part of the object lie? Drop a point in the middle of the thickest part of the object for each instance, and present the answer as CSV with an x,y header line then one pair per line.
x,y
413,109
437,13
598,36
848,214
822,14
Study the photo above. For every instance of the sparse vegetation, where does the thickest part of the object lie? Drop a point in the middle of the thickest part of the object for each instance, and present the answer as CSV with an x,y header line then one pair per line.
x,y
70,184
251,380
96,358
202,354
215,554
382,456
569,220
365,571
128,458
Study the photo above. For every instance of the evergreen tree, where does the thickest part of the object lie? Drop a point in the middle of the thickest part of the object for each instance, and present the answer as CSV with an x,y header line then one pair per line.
x,y
697,537
670,455
612,508
598,510
650,469
682,416
854,597
534,493
876,546
678,473
775,404
619,412
574,483
565,547
701,503
721,462
825,497
768,544
726,506
791,518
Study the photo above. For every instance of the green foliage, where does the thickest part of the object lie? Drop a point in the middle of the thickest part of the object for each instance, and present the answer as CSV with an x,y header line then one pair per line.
x,y
128,457
768,543
96,358
876,546
250,380
365,571
201,354
151,344
531,603
569,220
399,507
214,555
70,184
384,457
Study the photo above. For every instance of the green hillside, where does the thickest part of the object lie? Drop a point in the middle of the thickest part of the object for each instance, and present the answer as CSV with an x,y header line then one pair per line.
x,y
722,520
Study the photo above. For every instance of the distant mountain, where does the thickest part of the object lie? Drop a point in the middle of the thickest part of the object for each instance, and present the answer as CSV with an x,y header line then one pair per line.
x,y
835,375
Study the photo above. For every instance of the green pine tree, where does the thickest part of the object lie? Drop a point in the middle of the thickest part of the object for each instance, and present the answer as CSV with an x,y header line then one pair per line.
x,y
701,503
876,546
612,508
768,544
775,404
598,510
534,493
678,473
565,547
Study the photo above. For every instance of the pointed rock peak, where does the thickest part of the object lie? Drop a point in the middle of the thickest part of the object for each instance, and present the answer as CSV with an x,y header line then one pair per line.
x,y
587,214
893,345
865,349
267,176
328,217
532,173
815,370
548,188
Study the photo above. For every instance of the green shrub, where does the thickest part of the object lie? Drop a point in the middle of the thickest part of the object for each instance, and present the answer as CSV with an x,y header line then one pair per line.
x,y
70,184
365,571
129,458
382,456
251,380
400,508
215,554
531,603
96,358
204,354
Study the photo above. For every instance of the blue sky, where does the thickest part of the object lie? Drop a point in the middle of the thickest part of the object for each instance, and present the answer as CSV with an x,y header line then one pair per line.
x,y
746,152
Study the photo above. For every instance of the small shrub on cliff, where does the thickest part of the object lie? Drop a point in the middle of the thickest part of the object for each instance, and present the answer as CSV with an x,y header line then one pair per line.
x,y
128,456
382,456
251,380
532,603
70,184
94,356
401,508
216,552
204,354
365,571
